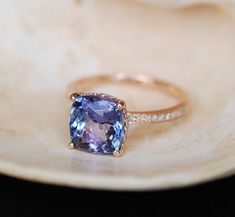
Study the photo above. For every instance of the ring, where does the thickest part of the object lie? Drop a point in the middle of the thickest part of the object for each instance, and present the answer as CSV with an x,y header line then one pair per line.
x,y
98,122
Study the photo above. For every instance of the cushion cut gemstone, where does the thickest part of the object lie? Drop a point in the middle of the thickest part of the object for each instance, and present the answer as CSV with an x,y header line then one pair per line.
x,y
96,124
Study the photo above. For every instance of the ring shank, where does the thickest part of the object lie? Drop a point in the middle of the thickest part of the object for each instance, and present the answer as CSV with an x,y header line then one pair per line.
x,y
162,115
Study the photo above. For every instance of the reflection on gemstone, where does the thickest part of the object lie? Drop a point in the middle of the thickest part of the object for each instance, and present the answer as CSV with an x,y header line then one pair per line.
x,y
96,124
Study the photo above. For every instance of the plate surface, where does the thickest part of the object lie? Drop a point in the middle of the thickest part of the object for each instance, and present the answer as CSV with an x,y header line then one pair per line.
x,y
45,46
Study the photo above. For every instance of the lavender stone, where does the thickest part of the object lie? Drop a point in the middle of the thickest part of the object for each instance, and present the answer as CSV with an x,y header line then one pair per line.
x,y
96,124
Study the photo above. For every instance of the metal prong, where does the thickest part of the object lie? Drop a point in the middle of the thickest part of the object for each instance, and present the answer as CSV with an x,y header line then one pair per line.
x,y
121,105
118,153
71,145
73,96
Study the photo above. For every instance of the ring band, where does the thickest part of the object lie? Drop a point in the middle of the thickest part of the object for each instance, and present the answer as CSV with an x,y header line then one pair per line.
x,y
93,110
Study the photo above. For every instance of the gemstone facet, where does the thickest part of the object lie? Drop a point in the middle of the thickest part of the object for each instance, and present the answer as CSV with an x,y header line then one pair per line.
x,y
96,124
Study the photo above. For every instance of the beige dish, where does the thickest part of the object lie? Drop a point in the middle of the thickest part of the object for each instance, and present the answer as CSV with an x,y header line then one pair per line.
x,y
46,45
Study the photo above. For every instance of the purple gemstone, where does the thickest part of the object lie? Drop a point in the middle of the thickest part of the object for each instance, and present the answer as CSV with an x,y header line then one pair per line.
x,y
96,124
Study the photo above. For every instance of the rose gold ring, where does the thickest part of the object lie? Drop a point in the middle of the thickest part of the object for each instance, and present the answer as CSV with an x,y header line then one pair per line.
x,y
99,122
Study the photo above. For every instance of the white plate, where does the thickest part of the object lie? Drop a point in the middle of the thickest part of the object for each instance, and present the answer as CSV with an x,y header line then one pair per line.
x,y
45,46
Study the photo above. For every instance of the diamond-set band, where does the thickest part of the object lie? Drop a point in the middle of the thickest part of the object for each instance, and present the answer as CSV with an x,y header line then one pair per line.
x,y
152,118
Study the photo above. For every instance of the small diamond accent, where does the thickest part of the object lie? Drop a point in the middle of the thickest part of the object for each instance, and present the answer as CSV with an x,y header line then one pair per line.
x,y
162,117
155,118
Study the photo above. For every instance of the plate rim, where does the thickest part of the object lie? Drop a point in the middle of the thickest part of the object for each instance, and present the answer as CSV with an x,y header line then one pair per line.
x,y
220,169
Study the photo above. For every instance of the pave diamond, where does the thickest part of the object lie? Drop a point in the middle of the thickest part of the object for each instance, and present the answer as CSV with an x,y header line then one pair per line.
x,y
148,118
96,124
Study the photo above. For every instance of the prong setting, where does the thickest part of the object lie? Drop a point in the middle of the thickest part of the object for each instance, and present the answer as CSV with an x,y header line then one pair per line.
x,y
71,145
73,96
121,105
117,153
